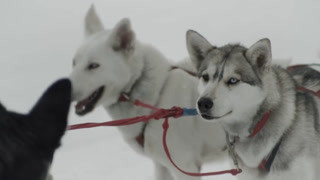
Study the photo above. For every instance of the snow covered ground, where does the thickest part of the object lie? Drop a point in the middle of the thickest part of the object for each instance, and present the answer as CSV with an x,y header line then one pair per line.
x,y
38,39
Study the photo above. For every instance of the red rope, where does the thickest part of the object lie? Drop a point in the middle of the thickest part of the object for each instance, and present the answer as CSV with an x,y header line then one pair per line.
x,y
141,104
165,126
120,122
261,123
290,68
174,112
158,114
128,121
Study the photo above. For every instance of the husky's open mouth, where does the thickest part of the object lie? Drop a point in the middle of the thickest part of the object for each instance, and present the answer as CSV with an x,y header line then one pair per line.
x,y
87,105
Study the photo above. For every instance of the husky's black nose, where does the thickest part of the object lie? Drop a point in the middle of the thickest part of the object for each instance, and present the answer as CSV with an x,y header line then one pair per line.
x,y
205,104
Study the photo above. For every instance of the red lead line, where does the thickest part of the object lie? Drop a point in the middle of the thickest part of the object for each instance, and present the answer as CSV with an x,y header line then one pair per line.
x,y
165,126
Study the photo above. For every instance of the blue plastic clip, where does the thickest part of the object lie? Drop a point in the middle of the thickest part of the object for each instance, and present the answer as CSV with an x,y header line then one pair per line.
x,y
189,112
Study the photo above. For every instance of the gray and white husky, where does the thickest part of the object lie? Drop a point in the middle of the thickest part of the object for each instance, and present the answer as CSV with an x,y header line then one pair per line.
x,y
111,62
238,87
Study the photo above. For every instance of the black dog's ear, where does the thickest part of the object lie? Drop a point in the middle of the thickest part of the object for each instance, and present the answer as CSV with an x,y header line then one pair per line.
x,y
50,113
55,101
2,109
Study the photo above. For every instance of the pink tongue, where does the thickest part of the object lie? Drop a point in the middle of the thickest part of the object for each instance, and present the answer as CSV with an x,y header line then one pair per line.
x,y
81,104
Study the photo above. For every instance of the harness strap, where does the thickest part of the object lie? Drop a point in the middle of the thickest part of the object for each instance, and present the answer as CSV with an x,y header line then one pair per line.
x,y
125,97
140,139
293,67
290,68
265,164
260,124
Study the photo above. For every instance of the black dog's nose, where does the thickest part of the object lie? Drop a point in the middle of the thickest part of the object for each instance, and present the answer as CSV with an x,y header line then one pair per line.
x,y
205,104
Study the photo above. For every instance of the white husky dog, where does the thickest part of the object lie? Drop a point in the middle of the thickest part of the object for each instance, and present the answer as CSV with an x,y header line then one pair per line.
x,y
273,125
112,62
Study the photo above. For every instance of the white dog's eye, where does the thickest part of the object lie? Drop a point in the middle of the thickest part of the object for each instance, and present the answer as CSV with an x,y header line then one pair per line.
x,y
93,66
232,81
205,77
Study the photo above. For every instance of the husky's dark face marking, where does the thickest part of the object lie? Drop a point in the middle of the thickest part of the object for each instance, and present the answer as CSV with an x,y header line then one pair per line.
x,y
28,142
231,77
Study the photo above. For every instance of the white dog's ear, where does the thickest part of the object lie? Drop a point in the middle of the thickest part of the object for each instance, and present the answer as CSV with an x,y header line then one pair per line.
x,y
259,54
92,22
123,37
198,47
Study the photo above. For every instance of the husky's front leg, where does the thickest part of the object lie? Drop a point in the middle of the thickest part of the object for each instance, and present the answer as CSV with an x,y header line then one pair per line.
x,y
162,173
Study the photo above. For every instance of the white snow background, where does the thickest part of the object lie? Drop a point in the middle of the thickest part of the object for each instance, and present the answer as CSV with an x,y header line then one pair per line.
x,y
38,39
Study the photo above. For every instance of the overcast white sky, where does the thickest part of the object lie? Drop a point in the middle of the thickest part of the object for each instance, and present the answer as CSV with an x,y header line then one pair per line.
x,y
38,39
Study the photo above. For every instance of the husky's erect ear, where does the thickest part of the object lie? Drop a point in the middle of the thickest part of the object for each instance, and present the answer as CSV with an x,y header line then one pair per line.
x,y
123,37
259,54
198,47
51,111
92,22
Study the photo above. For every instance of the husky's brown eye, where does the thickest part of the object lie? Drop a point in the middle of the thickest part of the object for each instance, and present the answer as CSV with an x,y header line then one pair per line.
x,y
205,77
93,66
232,81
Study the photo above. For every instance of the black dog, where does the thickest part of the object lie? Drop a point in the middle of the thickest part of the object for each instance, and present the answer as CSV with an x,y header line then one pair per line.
x,y
28,142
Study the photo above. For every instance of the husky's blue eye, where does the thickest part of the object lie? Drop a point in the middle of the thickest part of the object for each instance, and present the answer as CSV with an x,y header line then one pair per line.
x,y
93,66
232,81
205,77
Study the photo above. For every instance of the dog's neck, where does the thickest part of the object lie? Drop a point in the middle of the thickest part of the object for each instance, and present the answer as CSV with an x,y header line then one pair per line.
x,y
280,99
146,85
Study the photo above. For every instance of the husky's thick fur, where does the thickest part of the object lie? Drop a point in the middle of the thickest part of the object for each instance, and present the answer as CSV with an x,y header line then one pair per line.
x,y
238,86
307,76
111,62
28,142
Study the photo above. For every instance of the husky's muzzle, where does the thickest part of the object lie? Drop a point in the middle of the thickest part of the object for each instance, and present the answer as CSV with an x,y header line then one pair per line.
x,y
205,105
